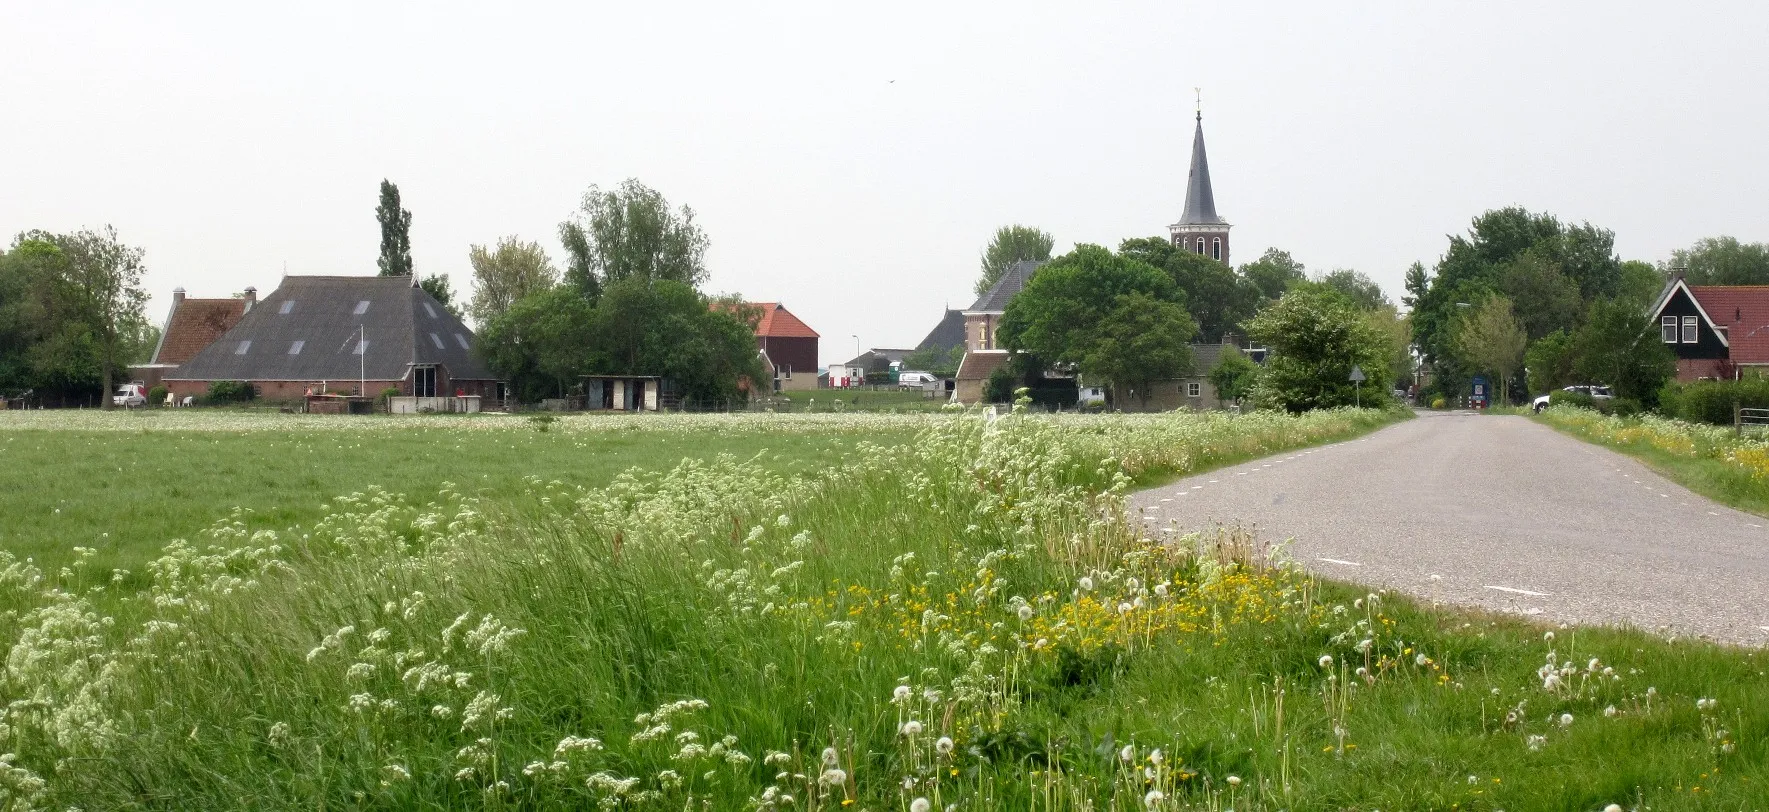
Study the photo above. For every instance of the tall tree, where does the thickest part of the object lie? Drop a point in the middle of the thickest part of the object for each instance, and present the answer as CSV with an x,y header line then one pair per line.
x,y
631,232
103,282
1233,376
1548,363
396,233
1491,339
1141,340
505,273
1544,299
1011,244
540,343
1316,336
1273,273
1723,261
1417,284
1363,291
1619,346
1217,299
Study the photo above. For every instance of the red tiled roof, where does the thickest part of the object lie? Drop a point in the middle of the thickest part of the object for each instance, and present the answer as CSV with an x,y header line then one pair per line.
x,y
778,322
1743,310
195,324
978,366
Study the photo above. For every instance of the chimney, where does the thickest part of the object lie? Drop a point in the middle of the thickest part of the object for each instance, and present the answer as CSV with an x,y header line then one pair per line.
x,y
251,297
177,297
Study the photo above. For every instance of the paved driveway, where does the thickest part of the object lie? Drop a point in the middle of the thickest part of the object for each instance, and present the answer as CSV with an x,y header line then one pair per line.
x,y
1500,513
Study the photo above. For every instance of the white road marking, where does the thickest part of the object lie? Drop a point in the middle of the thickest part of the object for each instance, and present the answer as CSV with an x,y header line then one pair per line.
x,y
1764,628
1519,591
1215,480
1168,499
1338,561
1711,513
1197,487
1758,526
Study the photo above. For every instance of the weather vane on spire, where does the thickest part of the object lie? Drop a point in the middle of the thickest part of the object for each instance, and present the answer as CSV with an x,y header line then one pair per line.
x,y
1200,93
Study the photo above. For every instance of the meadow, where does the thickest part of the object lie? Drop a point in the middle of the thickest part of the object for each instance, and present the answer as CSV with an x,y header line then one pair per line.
x,y
962,620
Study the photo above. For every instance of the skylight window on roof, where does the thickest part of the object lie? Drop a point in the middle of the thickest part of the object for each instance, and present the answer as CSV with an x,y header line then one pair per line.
x,y
295,348
461,340
362,307
437,340
288,305
241,349
430,310
362,346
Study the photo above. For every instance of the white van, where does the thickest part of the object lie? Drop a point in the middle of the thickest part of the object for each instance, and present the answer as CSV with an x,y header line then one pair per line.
x,y
915,380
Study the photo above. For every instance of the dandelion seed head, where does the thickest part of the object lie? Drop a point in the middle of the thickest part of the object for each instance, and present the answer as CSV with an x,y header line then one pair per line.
x,y
920,805
1326,661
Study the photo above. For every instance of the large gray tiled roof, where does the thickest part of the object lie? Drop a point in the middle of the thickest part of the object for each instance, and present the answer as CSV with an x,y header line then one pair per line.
x,y
947,334
1200,201
404,325
1011,282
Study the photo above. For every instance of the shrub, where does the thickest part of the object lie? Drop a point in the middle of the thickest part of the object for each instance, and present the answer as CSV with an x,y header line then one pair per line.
x,y
156,396
1438,403
1579,399
1000,387
231,392
1712,401
1625,407
386,395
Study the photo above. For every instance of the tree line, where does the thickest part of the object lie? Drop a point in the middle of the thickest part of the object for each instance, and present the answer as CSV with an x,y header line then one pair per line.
x,y
71,316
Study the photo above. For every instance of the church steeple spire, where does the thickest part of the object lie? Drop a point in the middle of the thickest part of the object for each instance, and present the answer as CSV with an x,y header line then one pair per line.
x,y
1200,228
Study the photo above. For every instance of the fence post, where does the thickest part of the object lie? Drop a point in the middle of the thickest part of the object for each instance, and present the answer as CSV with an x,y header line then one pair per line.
x,y
1737,419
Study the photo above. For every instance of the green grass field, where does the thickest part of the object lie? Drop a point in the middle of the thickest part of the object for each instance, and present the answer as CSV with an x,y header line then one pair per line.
x,y
857,621
125,484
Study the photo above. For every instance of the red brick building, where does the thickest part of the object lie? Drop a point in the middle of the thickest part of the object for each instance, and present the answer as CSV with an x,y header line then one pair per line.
x,y
191,325
789,344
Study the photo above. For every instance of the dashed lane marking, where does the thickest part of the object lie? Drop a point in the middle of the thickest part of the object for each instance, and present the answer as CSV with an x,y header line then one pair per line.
x,y
1340,561
1197,487
1515,590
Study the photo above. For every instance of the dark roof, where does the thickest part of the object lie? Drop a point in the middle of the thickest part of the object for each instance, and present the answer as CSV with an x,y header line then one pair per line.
x,y
1011,282
404,326
195,324
1200,201
947,334
1205,357
885,355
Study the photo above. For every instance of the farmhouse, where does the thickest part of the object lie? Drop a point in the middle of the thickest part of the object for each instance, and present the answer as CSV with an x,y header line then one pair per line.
x,y
788,346
191,325
360,334
1715,330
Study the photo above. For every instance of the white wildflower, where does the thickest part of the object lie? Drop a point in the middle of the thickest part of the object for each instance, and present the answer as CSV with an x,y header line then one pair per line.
x,y
911,728
1326,661
920,805
1234,780
900,695
1566,720
1025,612
1154,798
943,746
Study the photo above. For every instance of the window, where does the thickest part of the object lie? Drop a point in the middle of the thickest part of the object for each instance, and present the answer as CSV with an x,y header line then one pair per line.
x,y
461,340
362,307
1216,248
288,305
1194,390
436,339
241,349
1689,331
1200,245
362,346
295,348
1667,328
430,310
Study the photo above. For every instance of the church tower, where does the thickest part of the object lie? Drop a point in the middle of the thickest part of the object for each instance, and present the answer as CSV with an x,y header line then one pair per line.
x,y
1200,229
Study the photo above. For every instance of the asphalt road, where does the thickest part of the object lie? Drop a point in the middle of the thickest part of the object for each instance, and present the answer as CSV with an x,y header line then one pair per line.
x,y
1500,513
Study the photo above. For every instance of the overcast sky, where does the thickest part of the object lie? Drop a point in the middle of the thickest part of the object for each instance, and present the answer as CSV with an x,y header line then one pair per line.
x,y
852,163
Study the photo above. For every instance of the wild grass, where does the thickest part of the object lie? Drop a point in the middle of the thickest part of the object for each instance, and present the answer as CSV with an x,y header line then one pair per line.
x,y
1710,460
968,621
125,483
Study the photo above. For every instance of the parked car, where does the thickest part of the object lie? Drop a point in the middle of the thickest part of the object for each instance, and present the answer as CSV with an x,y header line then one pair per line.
x,y
130,395
915,380
1591,391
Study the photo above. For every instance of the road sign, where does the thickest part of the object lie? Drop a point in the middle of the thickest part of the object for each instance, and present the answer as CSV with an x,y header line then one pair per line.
x,y
1479,401
1357,374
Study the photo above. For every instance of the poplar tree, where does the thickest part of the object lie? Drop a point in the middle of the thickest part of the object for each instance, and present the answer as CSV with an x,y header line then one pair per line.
x,y
396,233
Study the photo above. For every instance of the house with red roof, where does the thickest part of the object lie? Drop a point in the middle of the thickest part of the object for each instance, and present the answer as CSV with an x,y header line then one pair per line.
x,y
1715,330
190,327
788,345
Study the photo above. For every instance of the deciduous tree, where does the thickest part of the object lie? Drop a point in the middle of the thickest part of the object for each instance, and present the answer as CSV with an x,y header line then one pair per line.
x,y
1273,273
1723,261
631,232
1011,244
103,282
1233,377
1490,339
1619,346
1315,337
437,285
506,273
